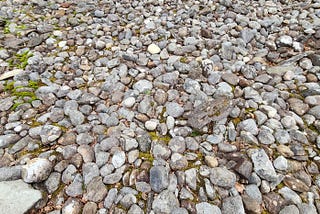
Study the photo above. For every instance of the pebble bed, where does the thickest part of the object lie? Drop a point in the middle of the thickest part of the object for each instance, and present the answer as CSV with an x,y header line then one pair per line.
x,y
160,106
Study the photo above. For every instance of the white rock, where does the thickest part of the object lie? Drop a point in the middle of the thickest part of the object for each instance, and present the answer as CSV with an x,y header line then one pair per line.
x,y
170,122
36,170
154,49
129,102
118,159
151,124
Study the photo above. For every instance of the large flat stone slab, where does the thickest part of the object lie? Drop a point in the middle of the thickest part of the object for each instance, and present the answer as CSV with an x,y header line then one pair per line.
x,y
17,197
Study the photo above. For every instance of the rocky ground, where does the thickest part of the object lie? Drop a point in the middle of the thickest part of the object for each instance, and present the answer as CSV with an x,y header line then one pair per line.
x,y
155,106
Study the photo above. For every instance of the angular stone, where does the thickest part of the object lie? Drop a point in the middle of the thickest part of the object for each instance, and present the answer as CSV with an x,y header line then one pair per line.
x,y
165,202
222,177
262,165
96,190
233,205
159,178
17,197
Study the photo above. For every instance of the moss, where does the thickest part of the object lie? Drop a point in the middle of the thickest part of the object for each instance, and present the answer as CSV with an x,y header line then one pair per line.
x,y
159,138
146,156
60,188
183,59
8,86
236,121
250,110
63,128
16,105
195,133
20,60
314,129
279,186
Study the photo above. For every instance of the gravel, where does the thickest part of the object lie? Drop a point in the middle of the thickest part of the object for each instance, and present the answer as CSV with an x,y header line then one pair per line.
x,y
160,107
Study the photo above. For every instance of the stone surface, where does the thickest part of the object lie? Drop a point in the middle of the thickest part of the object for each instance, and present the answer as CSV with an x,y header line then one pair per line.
x,y
36,170
17,197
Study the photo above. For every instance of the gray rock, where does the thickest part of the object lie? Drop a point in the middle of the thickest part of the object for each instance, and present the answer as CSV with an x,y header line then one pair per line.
x,y
248,125
191,178
165,202
111,196
10,173
266,137
178,161
290,195
89,171
143,86
253,192
232,205
307,208
247,35
76,117
282,136
17,197
96,191
6,104
50,133
76,187
222,177
280,163
292,209
174,109
36,170
112,178
315,111
227,50
135,209
108,143
84,139
128,200
280,70
7,140
53,182
204,208
159,178
262,165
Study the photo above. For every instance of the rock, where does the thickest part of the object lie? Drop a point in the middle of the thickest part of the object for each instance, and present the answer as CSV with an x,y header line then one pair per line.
x,y
90,208
307,208
76,187
165,202
108,201
244,168
222,177
266,137
143,86
298,106
17,197
76,117
262,165
273,202
292,209
290,195
71,206
49,133
118,159
284,41
315,59
191,178
159,178
53,182
295,184
129,102
248,125
280,70
7,140
232,205
153,49
96,190
280,163
251,205
211,161
174,109
10,173
151,125
36,170
315,111
178,161
204,208
135,209
6,103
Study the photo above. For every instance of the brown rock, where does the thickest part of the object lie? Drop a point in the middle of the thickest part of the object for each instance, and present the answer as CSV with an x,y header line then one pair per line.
x,y
295,184
273,202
